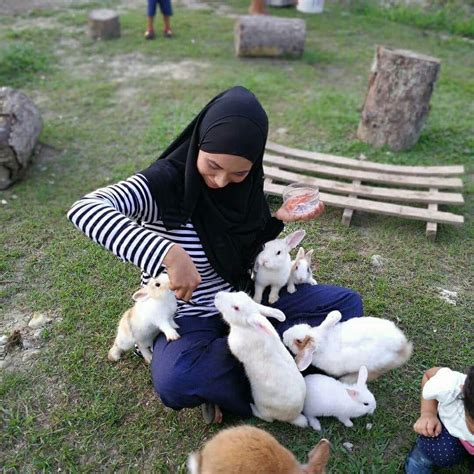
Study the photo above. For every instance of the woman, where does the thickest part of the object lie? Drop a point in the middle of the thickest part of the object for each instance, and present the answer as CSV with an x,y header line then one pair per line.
x,y
200,212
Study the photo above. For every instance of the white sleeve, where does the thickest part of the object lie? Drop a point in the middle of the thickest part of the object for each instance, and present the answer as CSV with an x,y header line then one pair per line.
x,y
109,217
444,386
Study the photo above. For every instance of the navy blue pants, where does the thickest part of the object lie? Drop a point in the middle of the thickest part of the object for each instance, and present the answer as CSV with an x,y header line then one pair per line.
x,y
165,7
199,366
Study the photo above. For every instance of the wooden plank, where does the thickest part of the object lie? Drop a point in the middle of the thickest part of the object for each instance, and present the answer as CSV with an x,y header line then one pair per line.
x,y
432,227
348,212
366,165
410,181
358,204
386,194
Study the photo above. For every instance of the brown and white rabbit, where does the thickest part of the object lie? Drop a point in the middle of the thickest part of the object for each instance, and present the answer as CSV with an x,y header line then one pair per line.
x,y
249,450
301,270
154,309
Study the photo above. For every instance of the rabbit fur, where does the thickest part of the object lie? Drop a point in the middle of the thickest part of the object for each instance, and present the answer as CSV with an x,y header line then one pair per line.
x,y
278,388
250,450
301,270
273,266
340,349
326,396
155,306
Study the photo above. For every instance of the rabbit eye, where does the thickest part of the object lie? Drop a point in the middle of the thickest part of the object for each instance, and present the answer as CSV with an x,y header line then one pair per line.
x,y
236,308
366,404
279,252
296,268
157,284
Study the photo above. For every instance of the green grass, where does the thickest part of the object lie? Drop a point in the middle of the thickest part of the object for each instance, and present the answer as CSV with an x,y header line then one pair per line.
x,y
109,108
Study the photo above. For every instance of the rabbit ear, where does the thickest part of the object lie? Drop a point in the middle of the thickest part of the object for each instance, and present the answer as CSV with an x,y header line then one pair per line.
x,y
305,353
261,324
318,458
331,319
140,295
293,239
363,374
352,393
300,254
271,312
308,255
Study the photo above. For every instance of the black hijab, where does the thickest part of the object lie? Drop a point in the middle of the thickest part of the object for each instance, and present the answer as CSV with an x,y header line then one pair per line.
x,y
231,222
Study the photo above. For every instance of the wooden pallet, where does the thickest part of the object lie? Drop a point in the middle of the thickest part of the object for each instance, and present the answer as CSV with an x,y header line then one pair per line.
x,y
422,185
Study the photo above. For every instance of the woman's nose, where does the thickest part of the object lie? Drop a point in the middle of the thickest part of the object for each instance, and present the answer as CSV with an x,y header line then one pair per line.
x,y
222,180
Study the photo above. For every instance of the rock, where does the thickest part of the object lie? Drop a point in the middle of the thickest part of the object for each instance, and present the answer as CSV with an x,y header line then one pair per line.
x,y
348,446
3,339
450,297
38,320
377,261
38,333
368,426
5,363
281,130
30,354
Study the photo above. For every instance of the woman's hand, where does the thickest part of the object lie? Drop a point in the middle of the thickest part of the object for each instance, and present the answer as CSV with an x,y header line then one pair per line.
x,y
428,425
286,215
184,278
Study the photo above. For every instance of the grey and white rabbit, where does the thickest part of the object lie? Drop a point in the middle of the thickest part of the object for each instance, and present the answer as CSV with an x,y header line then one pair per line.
x,y
153,312
301,270
273,266
326,396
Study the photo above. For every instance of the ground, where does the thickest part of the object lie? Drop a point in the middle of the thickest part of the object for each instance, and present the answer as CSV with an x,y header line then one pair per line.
x,y
109,108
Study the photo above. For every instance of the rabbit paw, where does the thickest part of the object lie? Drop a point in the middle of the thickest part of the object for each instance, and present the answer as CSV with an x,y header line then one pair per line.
x,y
300,421
291,288
172,335
346,422
272,298
314,423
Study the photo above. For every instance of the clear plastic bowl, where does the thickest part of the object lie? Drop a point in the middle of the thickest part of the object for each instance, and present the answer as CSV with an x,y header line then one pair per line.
x,y
300,198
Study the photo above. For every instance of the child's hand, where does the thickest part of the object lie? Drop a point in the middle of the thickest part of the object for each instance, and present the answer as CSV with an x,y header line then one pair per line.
x,y
428,425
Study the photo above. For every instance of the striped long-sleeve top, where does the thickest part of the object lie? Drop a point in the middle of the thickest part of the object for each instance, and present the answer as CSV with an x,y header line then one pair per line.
x,y
124,218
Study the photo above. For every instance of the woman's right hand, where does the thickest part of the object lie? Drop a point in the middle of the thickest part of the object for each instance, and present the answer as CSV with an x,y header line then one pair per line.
x,y
184,278
428,425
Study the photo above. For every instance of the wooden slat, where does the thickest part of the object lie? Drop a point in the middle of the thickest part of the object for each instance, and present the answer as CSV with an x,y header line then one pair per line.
x,y
366,165
432,227
379,207
410,181
386,194
348,212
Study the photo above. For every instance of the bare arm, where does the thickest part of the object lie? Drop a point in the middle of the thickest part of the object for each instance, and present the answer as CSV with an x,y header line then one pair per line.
x,y
428,423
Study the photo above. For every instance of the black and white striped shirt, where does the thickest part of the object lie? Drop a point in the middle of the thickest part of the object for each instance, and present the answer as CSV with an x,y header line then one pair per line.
x,y
124,218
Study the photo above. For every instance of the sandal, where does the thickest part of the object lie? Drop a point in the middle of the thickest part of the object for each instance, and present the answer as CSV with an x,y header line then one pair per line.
x,y
208,411
150,34
168,34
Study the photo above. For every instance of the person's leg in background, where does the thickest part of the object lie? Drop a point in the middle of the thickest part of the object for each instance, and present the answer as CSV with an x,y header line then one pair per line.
x,y
167,12
151,12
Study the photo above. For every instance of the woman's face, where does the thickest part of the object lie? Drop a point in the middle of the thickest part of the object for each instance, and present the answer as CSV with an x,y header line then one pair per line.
x,y
218,170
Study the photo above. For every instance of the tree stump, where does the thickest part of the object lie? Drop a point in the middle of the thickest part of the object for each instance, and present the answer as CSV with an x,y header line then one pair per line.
x,y
263,35
257,7
397,101
104,24
20,126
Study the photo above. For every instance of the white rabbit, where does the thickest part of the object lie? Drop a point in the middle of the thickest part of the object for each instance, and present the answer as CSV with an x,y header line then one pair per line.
x,y
273,265
155,306
340,349
278,388
301,270
326,396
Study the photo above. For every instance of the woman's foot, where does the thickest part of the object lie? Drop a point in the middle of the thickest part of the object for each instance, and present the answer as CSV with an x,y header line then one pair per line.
x,y
211,413
168,33
150,34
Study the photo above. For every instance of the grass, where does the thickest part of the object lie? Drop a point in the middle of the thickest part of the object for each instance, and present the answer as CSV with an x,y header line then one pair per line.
x,y
109,108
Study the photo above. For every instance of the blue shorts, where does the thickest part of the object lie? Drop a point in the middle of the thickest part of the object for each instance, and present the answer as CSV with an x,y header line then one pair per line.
x,y
199,367
165,7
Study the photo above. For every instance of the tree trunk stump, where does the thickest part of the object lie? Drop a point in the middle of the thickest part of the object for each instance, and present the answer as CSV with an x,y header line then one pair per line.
x,y
263,35
20,126
397,101
257,7
104,24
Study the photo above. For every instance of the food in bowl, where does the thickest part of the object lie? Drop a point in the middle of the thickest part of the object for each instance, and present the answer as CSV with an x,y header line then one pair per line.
x,y
300,198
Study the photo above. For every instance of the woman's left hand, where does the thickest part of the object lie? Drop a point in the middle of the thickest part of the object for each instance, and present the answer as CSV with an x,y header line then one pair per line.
x,y
286,215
